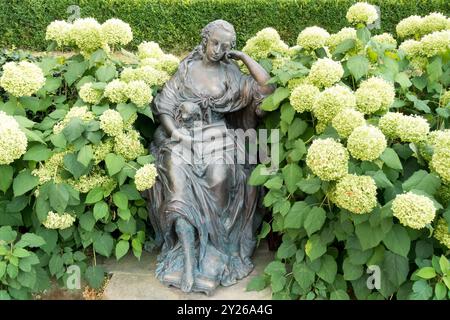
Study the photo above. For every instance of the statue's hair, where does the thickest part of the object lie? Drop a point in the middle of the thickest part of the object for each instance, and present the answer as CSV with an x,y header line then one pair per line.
x,y
212,26
198,52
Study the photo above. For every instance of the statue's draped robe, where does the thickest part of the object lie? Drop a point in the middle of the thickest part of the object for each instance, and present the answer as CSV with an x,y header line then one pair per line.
x,y
224,229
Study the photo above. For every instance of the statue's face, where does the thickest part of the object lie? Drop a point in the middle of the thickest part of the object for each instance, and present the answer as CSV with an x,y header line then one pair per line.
x,y
189,110
219,42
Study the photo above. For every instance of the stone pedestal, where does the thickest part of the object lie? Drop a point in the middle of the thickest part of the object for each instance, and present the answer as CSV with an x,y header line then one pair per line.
x,y
135,280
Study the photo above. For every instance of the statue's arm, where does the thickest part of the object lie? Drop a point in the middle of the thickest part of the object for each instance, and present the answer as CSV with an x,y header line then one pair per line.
x,y
170,126
256,70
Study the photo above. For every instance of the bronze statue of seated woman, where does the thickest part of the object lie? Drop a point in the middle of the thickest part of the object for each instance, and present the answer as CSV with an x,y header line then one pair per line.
x,y
203,211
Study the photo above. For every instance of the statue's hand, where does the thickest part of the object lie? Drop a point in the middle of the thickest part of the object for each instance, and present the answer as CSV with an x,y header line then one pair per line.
x,y
259,112
235,55
183,138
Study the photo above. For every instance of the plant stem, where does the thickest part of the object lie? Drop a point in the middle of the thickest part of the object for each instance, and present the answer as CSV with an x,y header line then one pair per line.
x,y
95,257
323,201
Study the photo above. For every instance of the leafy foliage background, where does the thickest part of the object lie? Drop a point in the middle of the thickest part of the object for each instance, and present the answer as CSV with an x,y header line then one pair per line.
x,y
175,25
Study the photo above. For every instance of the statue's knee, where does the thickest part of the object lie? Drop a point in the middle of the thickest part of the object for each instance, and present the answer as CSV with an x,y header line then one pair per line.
x,y
178,182
183,227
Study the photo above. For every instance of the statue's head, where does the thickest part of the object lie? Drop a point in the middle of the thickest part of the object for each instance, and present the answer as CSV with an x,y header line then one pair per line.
x,y
218,37
190,110
188,113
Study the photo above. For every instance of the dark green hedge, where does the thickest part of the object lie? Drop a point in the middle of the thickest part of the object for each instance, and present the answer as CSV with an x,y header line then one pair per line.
x,y
176,24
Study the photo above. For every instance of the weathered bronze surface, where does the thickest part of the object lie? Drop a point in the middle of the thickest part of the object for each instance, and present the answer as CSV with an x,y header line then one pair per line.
x,y
202,208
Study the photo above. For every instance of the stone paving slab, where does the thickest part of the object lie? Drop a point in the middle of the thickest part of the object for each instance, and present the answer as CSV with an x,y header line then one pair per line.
x,y
135,280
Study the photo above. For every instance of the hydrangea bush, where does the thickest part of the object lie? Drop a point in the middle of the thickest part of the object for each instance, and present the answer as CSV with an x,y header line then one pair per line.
x,y
74,134
364,168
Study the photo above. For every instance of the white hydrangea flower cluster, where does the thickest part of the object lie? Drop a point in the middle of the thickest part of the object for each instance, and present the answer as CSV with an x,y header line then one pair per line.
x,y
116,91
374,94
303,96
13,141
433,135
412,210
325,72
89,35
331,101
435,21
58,221
148,74
167,63
328,159
362,13
417,26
357,194
445,99
411,48
417,66
443,194
59,31
295,82
139,93
51,169
128,145
312,38
145,177
385,38
409,27
439,139
441,233
97,178
279,62
149,49
413,129
264,43
366,143
294,50
389,124
139,82
344,34
347,120
101,150
82,113
431,37
428,147
435,43
115,31
321,126
22,79
86,34
111,122
150,54
89,94
407,128
440,162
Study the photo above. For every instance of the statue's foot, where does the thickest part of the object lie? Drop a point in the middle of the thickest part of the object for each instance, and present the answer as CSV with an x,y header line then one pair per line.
x,y
186,234
187,280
